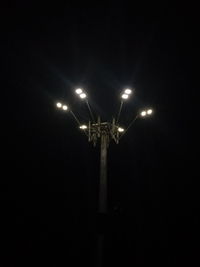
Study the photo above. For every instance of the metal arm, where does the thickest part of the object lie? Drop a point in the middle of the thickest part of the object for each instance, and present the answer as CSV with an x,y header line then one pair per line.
x,y
119,113
90,110
76,119
130,124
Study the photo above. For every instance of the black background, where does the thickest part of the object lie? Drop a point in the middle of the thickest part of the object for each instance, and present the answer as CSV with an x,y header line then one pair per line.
x,y
49,174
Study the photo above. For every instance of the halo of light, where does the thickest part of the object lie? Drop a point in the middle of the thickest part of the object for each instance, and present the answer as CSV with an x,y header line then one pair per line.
x,y
128,91
149,111
125,96
143,113
83,127
79,91
83,95
64,107
59,105
121,130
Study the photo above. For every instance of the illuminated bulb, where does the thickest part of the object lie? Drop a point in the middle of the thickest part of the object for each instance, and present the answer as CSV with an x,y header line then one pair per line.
x,y
125,96
149,112
65,107
120,130
83,95
79,91
59,105
83,127
128,91
143,113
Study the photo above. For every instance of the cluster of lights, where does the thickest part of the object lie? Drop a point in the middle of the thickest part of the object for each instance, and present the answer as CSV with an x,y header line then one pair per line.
x,y
126,94
80,92
61,106
145,113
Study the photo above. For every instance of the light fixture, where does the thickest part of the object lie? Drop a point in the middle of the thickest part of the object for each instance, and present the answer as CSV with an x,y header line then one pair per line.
x,y
128,91
143,113
79,91
83,127
149,111
125,96
83,95
120,130
64,107
59,105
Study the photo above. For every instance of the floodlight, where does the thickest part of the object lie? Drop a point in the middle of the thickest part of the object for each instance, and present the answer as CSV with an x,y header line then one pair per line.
x,y
65,107
83,95
128,91
143,113
120,130
149,111
83,127
59,105
79,91
125,96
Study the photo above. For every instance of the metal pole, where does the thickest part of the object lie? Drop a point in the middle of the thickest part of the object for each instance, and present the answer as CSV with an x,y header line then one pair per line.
x,y
102,195
103,175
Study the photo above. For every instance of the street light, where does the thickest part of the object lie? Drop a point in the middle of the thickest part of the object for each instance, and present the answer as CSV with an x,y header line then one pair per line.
x,y
105,131
121,130
65,107
128,91
83,127
125,96
143,113
59,105
83,95
78,91
149,111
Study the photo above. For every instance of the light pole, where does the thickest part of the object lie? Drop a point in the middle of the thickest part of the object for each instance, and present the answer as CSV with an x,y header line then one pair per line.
x,y
105,132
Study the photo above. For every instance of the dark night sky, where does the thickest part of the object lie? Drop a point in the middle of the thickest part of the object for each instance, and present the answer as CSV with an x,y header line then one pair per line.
x,y
49,179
